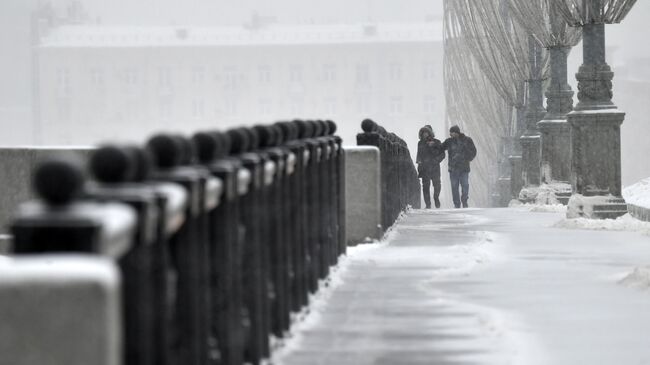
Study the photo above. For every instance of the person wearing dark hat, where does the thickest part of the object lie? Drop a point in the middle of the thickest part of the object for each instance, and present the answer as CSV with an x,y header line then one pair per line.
x,y
430,155
461,151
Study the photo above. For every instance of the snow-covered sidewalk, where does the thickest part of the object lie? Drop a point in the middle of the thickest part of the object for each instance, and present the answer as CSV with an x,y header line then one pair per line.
x,y
495,286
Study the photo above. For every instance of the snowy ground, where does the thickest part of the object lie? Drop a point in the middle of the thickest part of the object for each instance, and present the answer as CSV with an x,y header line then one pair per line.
x,y
638,194
496,286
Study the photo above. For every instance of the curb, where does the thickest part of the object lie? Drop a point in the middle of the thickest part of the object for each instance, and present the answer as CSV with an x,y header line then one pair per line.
x,y
638,212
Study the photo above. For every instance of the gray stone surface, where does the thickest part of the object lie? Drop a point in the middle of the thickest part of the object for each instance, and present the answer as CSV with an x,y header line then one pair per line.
x,y
482,286
516,181
596,125
530,141
5,244
596,151
59,310
16,165
640,213
555,151
554,128
530,160
362,194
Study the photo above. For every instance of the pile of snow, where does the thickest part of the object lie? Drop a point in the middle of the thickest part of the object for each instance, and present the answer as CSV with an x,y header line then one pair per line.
x,y
581,206
639,278
462,260
638,194
538,208
624,223
555,208
545,194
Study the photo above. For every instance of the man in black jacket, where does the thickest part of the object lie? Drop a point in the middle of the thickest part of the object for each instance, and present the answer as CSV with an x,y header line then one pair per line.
x,y
461,152
429,156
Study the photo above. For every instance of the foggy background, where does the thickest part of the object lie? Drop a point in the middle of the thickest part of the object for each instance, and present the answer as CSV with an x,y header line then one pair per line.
x,y
88,71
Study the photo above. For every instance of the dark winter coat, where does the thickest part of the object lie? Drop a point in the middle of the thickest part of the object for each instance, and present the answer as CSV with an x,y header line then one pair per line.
x,y
461,152
429,157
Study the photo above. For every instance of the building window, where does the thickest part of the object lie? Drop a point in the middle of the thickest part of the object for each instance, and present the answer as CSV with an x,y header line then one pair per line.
x,y
329,106
395,71
131,78
97,78
198,109
230,78
230,107
429,105
329,73
63,82
165,77
265,107
297,107
295,74
165,110
198,75
396,105
363,104
264,74
363,74
429,71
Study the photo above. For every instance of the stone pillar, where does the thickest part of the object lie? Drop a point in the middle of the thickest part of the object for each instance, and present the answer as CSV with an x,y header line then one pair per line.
x,y
530,141
505,173
595,136
554,128
363,197
516,183
516,178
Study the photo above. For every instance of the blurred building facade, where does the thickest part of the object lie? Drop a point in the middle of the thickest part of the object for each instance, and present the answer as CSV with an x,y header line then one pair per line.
x,y
98,82
631,90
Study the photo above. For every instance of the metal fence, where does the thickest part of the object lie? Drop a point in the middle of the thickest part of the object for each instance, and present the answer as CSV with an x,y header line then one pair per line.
x,y
232,232
400,187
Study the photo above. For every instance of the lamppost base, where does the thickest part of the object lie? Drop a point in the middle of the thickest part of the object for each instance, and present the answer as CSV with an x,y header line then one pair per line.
x,y
531,147
596,152
596,207
505,192
516,178
555,150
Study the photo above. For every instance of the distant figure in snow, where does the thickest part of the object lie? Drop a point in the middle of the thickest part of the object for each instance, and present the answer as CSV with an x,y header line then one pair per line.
x,y
430,155
462,151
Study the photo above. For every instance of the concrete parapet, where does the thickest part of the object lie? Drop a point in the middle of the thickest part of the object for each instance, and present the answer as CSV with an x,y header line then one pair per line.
x,y
59,310
596,207
640,213
362,194
16,167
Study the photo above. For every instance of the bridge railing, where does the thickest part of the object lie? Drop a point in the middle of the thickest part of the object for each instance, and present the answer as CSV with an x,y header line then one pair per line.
x,y
400,187
218,238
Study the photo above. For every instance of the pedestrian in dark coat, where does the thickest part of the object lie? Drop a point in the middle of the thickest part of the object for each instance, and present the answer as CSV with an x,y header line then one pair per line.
x,y
430,155
461,151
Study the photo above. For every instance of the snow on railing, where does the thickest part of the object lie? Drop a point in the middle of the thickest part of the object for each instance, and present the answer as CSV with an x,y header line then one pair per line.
x,y
219,238
637,197
400,187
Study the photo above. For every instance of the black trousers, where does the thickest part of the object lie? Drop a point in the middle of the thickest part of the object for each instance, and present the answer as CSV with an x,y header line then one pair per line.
x,y
427,181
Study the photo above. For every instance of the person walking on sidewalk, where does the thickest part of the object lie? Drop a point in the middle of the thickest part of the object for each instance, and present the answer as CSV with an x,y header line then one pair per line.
x,y
461,151
430,155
